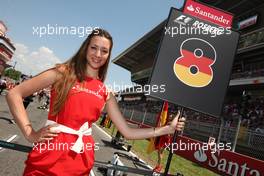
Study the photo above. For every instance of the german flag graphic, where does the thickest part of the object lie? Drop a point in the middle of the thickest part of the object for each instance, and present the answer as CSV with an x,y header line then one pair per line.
x,y
193,68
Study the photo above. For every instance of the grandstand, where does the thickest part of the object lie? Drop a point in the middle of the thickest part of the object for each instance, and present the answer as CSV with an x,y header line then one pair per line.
x,y
244,102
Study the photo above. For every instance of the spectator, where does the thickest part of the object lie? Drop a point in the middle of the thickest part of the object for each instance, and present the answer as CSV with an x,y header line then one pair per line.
x,y
28,100
3,85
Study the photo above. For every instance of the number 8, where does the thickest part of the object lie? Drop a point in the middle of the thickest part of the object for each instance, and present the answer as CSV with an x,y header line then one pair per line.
x,y
194,66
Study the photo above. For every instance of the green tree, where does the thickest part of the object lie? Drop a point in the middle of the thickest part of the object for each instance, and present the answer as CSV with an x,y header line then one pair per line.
x,y
12,73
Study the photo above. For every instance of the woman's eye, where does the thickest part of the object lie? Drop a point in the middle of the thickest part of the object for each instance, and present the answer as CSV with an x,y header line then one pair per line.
x,y
93,47
105,51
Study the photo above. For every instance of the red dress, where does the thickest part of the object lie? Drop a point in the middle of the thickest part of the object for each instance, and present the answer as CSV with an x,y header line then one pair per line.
x,y
84,104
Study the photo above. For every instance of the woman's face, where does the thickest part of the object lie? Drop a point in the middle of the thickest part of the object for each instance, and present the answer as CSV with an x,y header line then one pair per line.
x,y
98,52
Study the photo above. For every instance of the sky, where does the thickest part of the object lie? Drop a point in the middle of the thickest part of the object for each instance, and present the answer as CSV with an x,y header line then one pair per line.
x,y
32,29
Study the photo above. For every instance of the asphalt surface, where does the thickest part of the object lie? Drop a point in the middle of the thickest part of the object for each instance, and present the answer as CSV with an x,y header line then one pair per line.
x,y
12,162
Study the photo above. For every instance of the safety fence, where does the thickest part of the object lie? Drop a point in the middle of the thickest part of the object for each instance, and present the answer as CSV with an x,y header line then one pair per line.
x,y
249,142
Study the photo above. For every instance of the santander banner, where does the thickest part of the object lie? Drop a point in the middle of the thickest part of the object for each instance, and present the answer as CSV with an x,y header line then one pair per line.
x,y
223,162
208,13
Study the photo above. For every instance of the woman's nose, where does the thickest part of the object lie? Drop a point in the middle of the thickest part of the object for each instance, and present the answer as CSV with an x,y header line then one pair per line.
x,y
98,53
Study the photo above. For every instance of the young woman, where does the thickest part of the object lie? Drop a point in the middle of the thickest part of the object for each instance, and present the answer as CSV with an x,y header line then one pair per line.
x,y
77,98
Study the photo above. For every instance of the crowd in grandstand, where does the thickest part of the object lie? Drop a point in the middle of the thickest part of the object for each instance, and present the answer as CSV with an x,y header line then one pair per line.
x,y
250,110
252,113
248,74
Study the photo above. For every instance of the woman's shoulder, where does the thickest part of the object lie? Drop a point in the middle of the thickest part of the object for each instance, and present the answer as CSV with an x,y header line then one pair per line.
x,y
53,74
61,68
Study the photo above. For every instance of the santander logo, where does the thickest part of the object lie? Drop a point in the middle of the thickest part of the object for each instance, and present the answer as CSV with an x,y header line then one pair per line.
x,y
200,155
190,8
223,165
208,13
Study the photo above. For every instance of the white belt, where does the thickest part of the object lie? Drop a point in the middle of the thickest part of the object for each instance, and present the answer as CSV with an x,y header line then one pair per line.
x,y
83,131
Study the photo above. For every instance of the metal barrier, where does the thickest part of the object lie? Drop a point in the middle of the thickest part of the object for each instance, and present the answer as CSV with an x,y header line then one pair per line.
x,y
248,142
99,164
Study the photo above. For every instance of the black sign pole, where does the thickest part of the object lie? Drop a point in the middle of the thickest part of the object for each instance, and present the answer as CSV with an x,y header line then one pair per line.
x,y
176,133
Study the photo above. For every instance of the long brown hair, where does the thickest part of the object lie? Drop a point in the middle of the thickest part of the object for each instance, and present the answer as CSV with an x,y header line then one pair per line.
x,y
75,69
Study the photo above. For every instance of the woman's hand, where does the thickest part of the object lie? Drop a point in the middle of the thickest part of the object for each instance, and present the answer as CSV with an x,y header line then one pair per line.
x,y
177,124
43,134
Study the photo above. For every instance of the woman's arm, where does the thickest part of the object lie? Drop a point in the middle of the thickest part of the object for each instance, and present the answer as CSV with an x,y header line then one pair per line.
x,y
15,98
142,133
